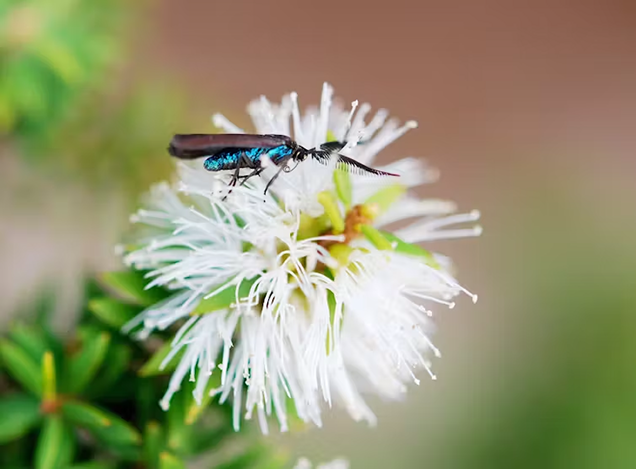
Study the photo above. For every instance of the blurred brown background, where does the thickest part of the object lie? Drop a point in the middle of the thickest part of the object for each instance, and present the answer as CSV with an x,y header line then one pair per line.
x,y
528,109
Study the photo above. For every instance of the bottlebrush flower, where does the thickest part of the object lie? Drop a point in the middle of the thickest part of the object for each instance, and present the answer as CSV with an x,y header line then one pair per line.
x,y
304,463
300,296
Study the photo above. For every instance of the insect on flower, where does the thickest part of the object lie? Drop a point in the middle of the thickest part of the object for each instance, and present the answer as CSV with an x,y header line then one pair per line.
x,y
244,151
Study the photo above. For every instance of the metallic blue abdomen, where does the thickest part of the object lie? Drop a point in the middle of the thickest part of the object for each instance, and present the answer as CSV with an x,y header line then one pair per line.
x,y
232,158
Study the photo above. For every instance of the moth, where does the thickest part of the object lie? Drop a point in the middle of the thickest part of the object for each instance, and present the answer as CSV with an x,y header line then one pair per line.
x,y
244,151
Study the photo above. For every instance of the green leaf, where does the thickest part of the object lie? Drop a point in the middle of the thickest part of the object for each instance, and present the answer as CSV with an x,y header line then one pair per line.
x,y
382,200
224,298
169,461
85,363
411,249
131,286
153,366
342,181
20,413
31,339
21,366
55,446
113,312
103,424
376,238
153,444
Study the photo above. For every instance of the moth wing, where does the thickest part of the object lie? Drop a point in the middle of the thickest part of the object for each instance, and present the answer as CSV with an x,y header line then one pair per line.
x,y
191,146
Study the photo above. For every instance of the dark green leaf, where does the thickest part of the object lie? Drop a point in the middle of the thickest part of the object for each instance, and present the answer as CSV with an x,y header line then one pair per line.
x,y
131,286
103,424
56,445
180,434
116,363
146,400
153,444
19,414
113,312
94,465
21,366
85,363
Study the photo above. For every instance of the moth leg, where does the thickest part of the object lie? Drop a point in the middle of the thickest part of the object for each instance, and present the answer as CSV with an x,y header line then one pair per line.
x,y
283,167
237,174
256,172
271,181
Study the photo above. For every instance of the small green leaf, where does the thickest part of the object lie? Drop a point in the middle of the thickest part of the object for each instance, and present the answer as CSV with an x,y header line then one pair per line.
x,y
342,181
101,423
382,200
153,444
131,286
169,461
20,413
56,445
224,298
376,238
113,312
49,384
329,203
21,366
411,250
85,415
85,363
153,366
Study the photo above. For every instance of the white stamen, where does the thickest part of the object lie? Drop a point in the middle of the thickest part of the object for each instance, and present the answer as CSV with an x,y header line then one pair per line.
x,y
220,121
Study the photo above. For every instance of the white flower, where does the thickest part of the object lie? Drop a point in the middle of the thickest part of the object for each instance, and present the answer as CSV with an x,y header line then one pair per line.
x,y
304,463
296,294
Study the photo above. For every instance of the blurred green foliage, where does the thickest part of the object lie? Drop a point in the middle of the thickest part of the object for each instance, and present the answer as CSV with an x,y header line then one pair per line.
x,y
91,401
51,52
67,106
